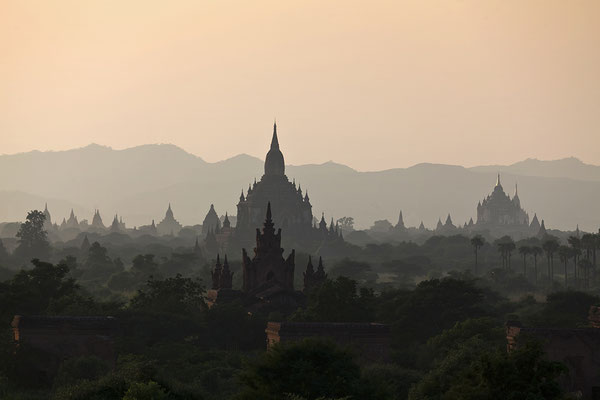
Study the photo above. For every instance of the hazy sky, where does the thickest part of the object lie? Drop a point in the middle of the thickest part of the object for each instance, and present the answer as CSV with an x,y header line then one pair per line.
x,y
372,84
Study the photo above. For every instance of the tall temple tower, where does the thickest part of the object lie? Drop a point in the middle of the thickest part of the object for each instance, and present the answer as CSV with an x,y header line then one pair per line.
x,y
293,211
268,268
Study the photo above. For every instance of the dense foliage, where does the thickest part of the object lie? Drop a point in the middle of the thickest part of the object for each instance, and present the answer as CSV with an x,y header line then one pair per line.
x,y
446,301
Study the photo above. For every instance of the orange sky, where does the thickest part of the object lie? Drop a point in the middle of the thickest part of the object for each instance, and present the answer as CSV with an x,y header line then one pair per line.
x,y
374,85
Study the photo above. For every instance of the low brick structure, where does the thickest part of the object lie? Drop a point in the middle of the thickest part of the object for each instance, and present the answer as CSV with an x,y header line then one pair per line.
x,y
578,349
62,337
370,340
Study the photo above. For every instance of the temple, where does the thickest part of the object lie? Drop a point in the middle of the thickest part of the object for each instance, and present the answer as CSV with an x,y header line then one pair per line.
x,y
293,211
169,225
499,209
268,267
211,221
267,277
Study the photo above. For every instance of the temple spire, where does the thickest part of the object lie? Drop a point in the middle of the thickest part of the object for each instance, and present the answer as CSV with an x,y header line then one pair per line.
x,y
268,218
274,140
274,162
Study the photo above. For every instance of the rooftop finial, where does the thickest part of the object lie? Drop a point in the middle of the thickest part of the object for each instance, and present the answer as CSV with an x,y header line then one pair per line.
x,y
498,180
269,211
274,140
274,162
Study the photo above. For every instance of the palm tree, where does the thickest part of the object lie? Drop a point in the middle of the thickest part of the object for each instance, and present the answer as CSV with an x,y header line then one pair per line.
x,y
510,247
477,242
565,254
505,247
575,243
588,243
501,244
536,251
596,246
524,251
550,246
585,265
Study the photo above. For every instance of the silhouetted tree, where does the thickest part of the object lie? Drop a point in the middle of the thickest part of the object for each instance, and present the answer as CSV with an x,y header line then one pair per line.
x,y
506,246
588,243
338,300
477,242
311,368
524,251
550,246
575,244
33,239
176,295
564,252
33,291
144,265
536,251
346,224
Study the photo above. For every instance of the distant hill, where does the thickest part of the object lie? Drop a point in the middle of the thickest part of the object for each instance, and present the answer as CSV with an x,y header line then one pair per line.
x,y
564,168
138,183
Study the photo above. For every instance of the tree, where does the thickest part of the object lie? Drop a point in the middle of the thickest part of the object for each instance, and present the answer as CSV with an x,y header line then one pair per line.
x,y
477,242
445,301
588,243
338,301
575,244
565,309
33,291
177,295
346,224
585,264
506,246
536,251
145,391
359,270
564,252
550,246
98,264
472,372
144,265
310,368
595,245
97,256
33,239
3,253
524,251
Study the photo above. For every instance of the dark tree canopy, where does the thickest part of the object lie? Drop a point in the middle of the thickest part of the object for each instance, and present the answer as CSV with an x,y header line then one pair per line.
x,y
310,368
177,295
33,239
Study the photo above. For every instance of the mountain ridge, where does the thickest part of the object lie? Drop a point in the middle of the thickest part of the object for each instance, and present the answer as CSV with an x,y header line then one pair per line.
x,y
139,182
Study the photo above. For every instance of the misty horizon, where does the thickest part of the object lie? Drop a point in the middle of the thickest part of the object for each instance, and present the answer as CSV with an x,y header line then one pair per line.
x,y
152,176
331,160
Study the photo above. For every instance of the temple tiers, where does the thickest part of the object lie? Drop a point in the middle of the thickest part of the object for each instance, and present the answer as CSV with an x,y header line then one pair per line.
x,y
169,225
292,209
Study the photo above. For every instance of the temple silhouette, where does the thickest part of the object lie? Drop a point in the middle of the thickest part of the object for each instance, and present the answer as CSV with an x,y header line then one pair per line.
x,y
292,208
268,277
499,209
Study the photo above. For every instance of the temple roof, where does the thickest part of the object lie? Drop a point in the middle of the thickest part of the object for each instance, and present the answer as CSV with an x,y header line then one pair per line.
x,y
274,162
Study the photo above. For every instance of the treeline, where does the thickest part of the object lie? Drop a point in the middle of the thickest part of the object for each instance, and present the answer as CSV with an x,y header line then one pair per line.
x,y
447,338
